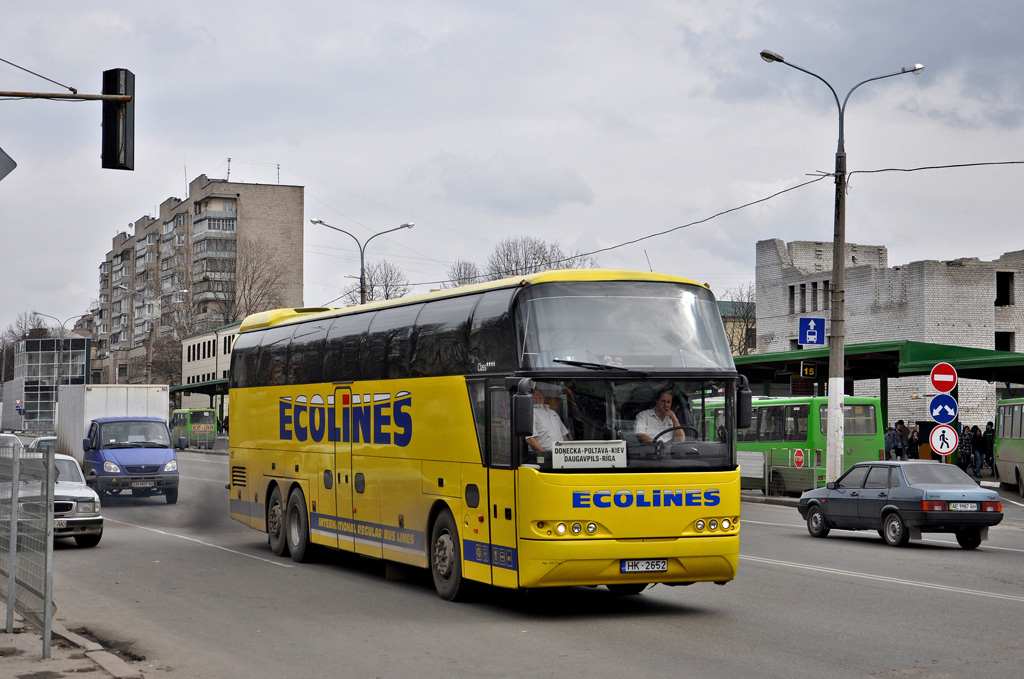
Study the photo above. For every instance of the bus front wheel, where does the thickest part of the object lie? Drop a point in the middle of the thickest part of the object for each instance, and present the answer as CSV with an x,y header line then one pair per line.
x,y
297,527
275,524
446,557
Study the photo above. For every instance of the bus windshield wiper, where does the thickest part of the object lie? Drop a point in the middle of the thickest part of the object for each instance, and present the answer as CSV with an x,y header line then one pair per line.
x,y
588,364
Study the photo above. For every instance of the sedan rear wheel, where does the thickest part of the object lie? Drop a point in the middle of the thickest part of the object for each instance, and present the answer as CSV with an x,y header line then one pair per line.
x,y
1020,484
816,522
969,538
895,531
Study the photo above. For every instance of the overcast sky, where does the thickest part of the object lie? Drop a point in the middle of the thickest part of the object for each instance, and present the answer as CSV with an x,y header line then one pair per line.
x,y
590,123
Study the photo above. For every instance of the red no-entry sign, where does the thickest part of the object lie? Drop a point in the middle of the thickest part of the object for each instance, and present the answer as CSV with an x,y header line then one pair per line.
x,y
943,377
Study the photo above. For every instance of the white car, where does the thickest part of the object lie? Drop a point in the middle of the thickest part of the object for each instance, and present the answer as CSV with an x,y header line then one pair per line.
x,y
76,506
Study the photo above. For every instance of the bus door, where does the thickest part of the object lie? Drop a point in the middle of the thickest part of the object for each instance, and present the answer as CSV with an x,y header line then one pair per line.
x,y
501,488
341,509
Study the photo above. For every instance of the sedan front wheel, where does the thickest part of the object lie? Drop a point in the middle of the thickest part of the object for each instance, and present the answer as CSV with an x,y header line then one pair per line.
x,y
816,522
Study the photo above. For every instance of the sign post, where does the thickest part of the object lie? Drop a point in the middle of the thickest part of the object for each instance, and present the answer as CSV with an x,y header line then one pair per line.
x,y
943,408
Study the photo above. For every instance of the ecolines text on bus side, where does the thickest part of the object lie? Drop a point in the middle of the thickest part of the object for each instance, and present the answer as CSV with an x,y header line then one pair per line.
x,y
368,418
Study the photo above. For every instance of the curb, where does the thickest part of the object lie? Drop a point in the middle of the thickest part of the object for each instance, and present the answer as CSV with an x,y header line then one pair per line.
x,y
110,663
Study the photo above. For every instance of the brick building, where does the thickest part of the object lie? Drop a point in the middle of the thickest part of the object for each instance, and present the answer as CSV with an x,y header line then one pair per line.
x,y
964,302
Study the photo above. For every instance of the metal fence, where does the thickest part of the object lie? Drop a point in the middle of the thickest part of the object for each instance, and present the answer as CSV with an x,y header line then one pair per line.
x,y
782,471
26,535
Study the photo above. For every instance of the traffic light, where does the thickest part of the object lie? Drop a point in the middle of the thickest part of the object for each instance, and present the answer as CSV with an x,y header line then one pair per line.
x,y
118,147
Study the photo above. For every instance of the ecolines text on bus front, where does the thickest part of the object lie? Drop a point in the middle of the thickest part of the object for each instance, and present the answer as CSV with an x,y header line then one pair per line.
x,y
367,418
603,499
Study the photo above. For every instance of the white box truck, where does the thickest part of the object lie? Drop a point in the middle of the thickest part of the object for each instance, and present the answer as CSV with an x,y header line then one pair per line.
x,y
119,434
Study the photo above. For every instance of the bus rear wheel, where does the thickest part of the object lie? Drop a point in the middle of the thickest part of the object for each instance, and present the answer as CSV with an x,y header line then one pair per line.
x,y
777,485
275,524
446,558
297,527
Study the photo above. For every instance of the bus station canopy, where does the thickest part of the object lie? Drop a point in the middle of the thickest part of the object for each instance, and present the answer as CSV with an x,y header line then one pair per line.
x,y
211,388
882,360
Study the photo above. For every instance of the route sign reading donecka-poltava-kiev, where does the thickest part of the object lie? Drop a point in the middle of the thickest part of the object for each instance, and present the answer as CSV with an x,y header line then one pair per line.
x,y
943,439
943,377
943,408
812,331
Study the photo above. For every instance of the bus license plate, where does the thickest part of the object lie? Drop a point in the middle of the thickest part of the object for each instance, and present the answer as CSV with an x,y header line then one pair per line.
x,y
60,523
963,506
643,566
142,484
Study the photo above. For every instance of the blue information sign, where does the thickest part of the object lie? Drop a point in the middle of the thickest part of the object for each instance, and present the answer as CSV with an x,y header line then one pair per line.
x,y
943,408
812,331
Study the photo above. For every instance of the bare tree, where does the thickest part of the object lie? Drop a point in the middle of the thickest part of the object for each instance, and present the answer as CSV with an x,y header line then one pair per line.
x,y
384,280
519,255
463,273
27,323
739,313
254,287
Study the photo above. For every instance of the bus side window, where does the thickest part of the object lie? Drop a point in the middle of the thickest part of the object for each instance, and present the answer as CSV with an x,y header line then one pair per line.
x,y
770,423
796,422
476,402
500,428
1015,432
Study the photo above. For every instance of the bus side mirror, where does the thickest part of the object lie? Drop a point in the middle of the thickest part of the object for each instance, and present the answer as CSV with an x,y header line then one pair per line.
x,y
522,409
522,405
744,407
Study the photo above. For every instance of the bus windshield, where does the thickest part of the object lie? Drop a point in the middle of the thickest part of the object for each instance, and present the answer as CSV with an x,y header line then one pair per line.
x,y
622,425
640,324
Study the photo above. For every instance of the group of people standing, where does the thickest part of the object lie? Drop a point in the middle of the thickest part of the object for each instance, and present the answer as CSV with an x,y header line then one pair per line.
x,y
901,443
976,448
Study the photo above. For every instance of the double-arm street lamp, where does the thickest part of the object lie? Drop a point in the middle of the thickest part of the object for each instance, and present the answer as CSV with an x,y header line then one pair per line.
x,y
60,348
362,251
837,335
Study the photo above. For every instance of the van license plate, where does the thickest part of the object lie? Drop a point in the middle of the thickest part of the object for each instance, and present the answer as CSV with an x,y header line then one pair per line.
x,y
963,506
643,566
143,484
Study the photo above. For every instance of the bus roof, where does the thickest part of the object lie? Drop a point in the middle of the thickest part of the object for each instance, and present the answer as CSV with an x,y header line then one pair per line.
x,y
283,316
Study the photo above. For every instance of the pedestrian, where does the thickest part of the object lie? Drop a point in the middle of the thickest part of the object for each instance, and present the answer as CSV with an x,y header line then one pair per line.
x,y
990,444
978,449
913,445
899,443
888,443
964,453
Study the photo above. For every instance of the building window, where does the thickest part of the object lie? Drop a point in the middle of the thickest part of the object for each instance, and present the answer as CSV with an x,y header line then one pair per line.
x,y
1004,288
826,295
1004,341
792,299
803,297
814,296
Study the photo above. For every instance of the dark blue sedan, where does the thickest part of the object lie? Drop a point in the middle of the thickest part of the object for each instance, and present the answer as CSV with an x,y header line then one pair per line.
x,y
902,500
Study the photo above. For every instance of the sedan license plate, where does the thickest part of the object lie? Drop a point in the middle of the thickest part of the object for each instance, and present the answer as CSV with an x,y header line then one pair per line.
x,y
60,523
643,566
963,506
143,484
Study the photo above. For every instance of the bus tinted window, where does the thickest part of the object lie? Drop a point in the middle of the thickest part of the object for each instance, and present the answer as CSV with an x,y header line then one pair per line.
x,y
442,337
859,419
273,360
306,356
341,351
770,423
387,348
492,341
796,422
244,353
1016,419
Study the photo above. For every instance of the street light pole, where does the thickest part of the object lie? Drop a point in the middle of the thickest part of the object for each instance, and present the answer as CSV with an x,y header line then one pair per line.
x,y
362,250
837,334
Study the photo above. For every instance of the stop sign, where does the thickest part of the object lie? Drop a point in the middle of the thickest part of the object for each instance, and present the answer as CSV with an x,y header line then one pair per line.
x,y
943,377
798,458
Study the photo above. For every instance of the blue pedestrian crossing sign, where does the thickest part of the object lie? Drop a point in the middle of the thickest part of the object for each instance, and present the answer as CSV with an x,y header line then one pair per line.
x,y
812,332
943,408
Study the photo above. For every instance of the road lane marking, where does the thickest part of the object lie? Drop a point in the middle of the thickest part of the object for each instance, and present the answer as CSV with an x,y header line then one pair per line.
x,y
883,578
941,542
205,544
200,478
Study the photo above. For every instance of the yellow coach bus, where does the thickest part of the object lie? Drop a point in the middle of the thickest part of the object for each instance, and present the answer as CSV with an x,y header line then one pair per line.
x,y
404,430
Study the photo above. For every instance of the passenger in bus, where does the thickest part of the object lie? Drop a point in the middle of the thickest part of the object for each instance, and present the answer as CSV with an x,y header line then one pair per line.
x,y
653,421
547,425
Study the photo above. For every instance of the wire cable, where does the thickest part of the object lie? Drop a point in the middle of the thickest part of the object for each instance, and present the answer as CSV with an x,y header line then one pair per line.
x,y
11,63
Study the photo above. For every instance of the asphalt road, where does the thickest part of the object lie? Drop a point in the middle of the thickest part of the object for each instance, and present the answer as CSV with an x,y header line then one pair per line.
x,y
193,594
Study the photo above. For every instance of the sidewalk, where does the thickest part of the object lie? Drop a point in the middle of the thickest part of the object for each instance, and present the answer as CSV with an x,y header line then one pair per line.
x,y
21,654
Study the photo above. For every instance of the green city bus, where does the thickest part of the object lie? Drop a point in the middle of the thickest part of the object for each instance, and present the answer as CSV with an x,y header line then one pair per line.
x,y
198,425
783,450
1008,451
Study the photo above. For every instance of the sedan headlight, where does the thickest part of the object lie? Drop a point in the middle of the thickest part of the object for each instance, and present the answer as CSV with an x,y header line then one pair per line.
x,y
110,467
171,466
86,507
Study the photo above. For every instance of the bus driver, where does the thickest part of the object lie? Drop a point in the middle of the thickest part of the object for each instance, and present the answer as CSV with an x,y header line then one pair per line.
x,y
547,425
653,421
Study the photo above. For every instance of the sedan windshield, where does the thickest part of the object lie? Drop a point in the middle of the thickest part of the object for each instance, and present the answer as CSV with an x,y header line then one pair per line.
x,y
68,472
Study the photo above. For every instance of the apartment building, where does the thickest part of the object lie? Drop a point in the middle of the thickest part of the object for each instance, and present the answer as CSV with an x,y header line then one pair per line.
x,y
176,274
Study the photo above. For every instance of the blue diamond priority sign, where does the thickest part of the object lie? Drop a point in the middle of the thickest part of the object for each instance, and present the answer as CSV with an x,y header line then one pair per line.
x,y
943,408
